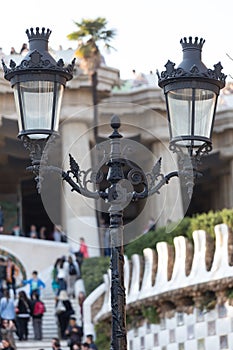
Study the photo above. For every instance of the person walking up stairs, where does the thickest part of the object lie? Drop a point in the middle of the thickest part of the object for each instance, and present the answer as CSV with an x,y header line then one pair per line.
x,y
49,328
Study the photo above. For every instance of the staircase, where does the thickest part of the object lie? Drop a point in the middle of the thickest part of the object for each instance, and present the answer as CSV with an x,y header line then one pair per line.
x,y
49,328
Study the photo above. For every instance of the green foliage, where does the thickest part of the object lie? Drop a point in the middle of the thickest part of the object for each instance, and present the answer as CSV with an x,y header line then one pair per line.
x,y
151,314
204,221
94,29
208,301
93,270
103,334
162,234
10,215
227,217
229,293
134,317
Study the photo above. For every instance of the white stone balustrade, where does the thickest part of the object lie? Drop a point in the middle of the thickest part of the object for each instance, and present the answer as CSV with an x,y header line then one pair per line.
x,y
139,288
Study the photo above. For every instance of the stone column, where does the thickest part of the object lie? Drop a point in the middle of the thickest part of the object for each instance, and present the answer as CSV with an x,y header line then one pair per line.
x,y
78,212
166,206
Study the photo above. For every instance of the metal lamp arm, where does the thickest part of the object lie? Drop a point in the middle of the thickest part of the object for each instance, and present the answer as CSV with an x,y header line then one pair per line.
x,y
77,188
150,190
164,181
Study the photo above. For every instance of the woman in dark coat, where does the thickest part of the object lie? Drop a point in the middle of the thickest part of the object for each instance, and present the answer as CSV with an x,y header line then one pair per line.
x,y
64,310
23,312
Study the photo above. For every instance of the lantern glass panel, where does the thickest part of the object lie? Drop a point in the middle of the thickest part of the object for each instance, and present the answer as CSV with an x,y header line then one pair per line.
x,y
37,108
191,114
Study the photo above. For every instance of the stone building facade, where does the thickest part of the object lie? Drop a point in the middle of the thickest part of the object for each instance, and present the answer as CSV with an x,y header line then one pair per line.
x,y
143,117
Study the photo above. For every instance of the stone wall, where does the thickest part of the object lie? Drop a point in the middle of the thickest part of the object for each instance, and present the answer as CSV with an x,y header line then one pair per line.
x,y
183,288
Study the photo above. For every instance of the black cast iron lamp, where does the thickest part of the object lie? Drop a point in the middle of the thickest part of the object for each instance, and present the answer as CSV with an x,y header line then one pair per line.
x,y
38,83
191,93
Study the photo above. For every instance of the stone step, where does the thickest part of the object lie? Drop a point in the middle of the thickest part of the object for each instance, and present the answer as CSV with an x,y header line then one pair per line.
x,y
38,344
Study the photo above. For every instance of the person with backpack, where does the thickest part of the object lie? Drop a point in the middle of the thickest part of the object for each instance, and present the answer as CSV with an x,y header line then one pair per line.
x,y
73,275
38,310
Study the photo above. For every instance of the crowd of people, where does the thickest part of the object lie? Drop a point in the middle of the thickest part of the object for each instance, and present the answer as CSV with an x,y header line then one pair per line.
x,y
57,234
65,274
17,310
22,51
87,344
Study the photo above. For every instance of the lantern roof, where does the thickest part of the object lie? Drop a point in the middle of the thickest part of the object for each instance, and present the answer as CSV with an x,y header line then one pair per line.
x,y
38,58
192,66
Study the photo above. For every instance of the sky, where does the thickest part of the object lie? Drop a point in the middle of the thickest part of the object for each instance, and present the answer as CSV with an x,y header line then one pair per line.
x,y
148,31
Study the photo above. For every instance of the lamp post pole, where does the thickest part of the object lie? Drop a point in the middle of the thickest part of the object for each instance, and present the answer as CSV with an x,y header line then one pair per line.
x,y
115,175
191,93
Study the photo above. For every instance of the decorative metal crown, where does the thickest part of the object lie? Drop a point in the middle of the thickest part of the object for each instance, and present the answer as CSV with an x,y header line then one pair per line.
x,y
37,35
38,59
190,44
191,67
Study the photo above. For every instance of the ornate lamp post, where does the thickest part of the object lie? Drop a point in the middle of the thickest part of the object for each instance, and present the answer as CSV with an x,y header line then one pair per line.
x,y
191,93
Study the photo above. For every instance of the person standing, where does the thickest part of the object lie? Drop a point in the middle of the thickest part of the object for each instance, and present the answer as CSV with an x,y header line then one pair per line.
x,y
33,232
64,310
62,272
24,49
54,272
23,312
13,51
83,248
57,233
90,341
43,232
12,272
16,231
8,329
7,306
73,332
81,298
72,276
35,283
37,316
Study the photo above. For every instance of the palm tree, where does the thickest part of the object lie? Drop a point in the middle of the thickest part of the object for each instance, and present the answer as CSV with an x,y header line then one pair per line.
x,y
93,31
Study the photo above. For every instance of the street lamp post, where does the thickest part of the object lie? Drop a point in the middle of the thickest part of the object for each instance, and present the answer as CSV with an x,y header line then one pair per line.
x,y
191,93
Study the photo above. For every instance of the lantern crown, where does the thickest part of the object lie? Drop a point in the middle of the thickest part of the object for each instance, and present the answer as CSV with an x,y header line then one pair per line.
x,y
38,60
189,43
191,67
44,34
